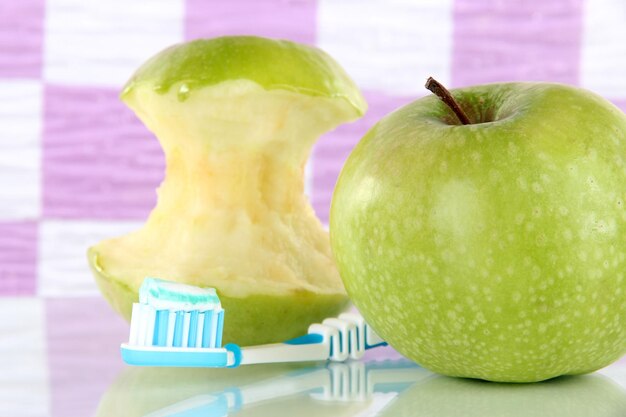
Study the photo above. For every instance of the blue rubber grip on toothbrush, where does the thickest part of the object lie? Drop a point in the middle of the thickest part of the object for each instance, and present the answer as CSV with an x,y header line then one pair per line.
x,y
236,351
307,339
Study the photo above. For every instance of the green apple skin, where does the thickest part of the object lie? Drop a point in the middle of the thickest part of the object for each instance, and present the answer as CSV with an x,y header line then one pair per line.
x,y
494,250
579,396
272,64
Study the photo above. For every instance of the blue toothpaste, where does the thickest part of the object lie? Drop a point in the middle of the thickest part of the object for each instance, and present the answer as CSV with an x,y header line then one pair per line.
x,y
165,295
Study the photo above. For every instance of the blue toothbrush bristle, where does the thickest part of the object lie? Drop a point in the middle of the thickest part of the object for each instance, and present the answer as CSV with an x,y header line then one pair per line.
x,y
220,328
206,334
178,329
193,328
160,328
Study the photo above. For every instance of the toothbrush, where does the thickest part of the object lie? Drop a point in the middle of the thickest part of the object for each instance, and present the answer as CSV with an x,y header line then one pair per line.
x,y
181,325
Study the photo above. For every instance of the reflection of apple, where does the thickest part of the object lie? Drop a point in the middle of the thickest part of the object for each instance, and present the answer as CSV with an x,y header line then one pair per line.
x,y
236,117
496,249
579,396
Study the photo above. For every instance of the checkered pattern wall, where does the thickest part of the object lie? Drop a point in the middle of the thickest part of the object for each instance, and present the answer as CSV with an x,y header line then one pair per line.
x,y
76,166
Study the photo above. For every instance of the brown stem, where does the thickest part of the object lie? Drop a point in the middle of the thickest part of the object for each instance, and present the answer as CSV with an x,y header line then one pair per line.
x,y
442,92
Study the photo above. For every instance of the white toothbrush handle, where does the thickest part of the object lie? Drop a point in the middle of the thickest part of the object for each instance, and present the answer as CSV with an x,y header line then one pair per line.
x,y
336,339
282,352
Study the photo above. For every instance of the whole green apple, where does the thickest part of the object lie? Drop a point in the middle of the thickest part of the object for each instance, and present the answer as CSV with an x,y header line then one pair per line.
x,y
494,249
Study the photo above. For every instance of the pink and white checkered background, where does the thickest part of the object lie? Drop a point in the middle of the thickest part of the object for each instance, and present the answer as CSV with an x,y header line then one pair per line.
x,y
76,166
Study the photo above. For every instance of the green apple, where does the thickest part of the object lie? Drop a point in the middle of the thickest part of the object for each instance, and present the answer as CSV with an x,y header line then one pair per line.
x,y
494,249
236,118
581,396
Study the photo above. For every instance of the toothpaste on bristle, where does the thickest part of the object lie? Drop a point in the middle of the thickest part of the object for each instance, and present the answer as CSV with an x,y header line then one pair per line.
x,y
167,295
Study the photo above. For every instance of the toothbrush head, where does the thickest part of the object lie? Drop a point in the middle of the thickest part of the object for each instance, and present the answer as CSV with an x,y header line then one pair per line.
x,y
180,325
176,324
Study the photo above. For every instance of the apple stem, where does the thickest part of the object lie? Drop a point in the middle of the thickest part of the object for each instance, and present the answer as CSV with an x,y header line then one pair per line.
x,y
442,92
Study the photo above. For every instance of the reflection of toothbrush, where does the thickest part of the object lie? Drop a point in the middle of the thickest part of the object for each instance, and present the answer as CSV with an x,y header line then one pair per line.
x,y
179,325
351,382
358,381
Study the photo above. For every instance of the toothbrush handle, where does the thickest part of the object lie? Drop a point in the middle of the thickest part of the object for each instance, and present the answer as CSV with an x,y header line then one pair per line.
x,y
336,339
348,335
303,350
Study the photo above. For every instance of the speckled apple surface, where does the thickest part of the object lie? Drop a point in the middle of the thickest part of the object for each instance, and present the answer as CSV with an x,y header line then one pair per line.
x,y
493,250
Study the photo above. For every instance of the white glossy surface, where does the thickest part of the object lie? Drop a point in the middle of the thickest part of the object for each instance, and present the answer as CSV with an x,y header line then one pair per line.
x,y
61,358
